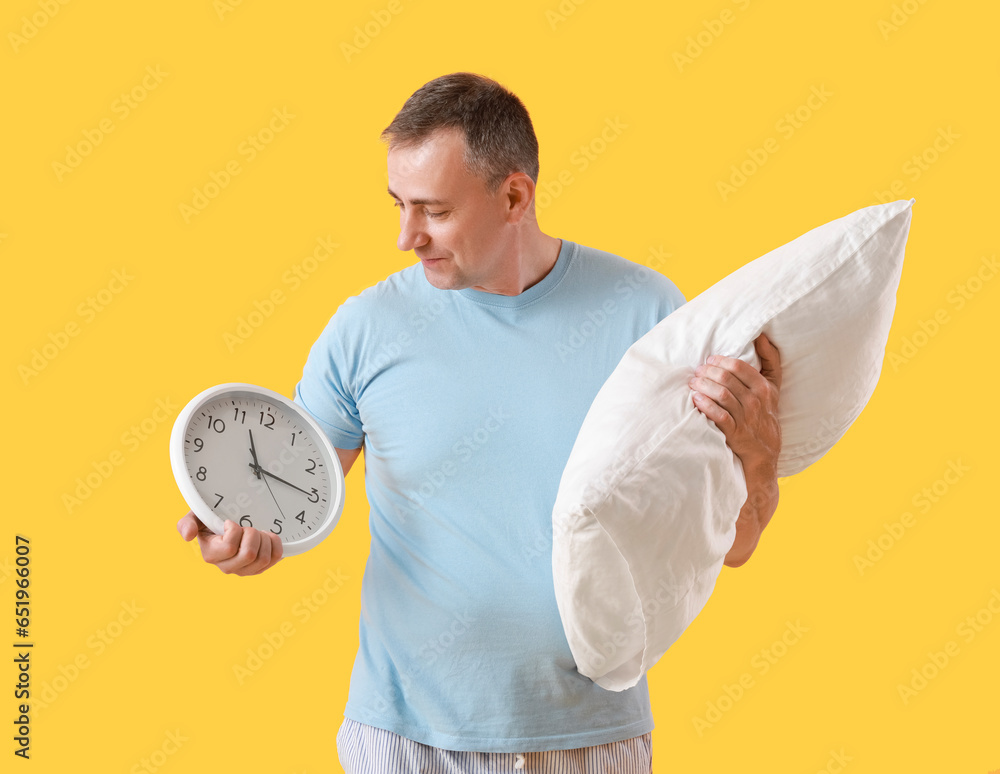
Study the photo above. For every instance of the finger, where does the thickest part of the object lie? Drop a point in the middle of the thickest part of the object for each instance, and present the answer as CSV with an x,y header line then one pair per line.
x,y
770,360
725,388
718,395
709,374
189,526
722,418
719,365
218,548
263,559
277,551
247,553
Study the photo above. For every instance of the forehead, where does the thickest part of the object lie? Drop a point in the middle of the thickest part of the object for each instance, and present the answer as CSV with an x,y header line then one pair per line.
x,y
433,169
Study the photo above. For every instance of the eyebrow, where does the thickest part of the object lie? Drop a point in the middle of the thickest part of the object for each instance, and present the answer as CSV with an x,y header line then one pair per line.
x,y
418,201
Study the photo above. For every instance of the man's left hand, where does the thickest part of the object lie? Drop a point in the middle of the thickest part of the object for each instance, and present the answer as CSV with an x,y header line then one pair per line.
x,y
743,403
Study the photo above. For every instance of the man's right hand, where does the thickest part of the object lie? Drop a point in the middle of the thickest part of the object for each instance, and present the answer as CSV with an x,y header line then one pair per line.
x,y
239,551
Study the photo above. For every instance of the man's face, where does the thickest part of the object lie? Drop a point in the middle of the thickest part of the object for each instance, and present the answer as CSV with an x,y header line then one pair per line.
x,y
446,215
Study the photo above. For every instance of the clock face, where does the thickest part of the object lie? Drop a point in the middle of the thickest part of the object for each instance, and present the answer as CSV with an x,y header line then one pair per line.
x,y
253,458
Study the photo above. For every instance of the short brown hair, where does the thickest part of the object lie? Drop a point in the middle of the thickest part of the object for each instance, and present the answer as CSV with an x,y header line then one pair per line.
x,y
499,137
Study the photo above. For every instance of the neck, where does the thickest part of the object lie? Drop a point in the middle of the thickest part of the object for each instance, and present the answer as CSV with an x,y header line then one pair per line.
x,y
532,257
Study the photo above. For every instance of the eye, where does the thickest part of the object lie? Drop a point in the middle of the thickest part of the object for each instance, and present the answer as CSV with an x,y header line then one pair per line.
x,y
435,214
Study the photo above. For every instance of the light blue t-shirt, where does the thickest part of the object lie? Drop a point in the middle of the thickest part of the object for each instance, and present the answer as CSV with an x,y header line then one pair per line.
x,y
468,404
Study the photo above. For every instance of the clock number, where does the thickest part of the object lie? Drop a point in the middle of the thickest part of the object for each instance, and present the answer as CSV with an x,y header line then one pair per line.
x,y
268,425
246,523
198,445
314,492
276,521
310,470
293,440
216,424
236,415
301,516
219,500
202,474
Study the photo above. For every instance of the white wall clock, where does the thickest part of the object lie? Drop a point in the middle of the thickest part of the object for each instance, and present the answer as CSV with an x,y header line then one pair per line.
x,y
246,453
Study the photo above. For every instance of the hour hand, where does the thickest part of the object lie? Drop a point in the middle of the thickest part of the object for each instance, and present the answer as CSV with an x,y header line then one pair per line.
x,y
253,453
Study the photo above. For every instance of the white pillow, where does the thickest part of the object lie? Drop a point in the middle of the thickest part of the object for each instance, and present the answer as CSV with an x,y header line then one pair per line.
x,y
647,505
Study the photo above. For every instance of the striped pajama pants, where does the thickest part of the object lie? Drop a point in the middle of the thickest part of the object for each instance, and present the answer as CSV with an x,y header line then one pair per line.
x,y
364,749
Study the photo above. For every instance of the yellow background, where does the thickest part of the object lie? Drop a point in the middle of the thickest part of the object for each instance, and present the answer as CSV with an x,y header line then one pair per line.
x,y
897,76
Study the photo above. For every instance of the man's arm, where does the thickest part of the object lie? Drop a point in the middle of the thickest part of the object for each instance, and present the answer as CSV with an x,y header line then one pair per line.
x,y
743,402
244,550
347,457
762,501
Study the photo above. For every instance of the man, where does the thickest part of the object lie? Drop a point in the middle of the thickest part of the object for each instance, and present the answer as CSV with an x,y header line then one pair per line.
x,y
450,375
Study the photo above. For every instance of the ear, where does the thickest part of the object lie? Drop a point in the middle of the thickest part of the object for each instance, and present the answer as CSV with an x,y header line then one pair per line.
x,y
517,192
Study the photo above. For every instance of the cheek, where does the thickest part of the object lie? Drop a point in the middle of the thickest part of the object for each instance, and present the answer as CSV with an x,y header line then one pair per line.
x,y
481,230
450,234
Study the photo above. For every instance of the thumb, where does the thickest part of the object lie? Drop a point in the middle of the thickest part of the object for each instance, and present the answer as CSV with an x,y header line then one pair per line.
x,y
770,360
189,526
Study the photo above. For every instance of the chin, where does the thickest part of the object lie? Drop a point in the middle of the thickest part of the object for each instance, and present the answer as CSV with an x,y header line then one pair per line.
x,y
444,281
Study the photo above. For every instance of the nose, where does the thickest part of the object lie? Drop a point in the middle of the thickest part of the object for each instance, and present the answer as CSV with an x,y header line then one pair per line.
x,y
411,231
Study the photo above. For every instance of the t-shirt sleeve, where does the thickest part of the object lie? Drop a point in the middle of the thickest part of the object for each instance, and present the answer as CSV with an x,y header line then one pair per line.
x,y
327,388
669,298
674,298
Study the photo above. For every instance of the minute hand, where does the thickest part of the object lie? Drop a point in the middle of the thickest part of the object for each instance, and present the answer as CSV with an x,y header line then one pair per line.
x,y
258,468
